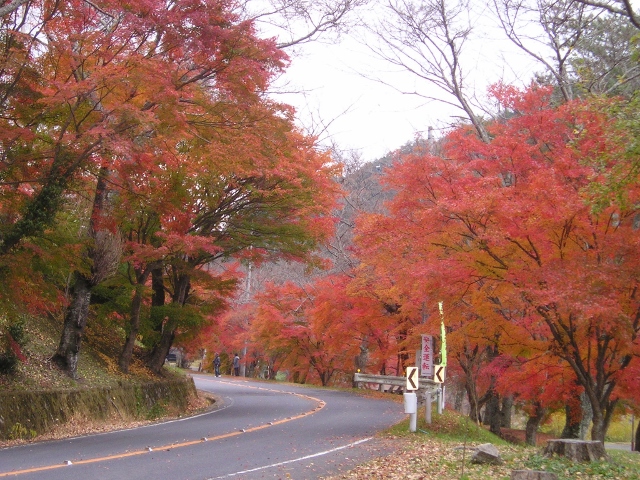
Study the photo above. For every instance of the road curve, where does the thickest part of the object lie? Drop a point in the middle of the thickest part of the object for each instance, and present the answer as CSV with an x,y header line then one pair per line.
x,y
259,430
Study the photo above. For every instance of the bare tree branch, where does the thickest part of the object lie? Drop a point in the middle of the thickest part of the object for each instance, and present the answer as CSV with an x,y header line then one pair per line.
x,y
426,38
304,21
11,7
546,30
619,7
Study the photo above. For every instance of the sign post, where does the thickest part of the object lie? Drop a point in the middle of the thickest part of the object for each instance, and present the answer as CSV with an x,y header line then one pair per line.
x,y
411,399
439,370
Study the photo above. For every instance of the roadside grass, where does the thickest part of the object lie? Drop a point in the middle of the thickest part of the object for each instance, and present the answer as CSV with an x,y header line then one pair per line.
x,y
443,450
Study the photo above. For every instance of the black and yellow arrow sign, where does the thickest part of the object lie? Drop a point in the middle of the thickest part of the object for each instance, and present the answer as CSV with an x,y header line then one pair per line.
x,y
412,378
438,373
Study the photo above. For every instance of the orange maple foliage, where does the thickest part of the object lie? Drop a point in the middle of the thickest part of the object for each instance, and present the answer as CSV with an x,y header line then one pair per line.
x,y
166,105
502,232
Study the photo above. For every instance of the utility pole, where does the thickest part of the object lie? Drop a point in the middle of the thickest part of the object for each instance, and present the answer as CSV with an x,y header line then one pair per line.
x,y
246,297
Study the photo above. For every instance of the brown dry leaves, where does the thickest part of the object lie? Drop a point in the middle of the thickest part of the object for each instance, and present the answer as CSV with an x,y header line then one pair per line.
x,y
427,458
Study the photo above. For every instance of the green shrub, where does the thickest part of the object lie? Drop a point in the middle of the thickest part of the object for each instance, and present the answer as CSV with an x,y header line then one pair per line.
x,y
8,362
158,410
11,342
18,332
20,432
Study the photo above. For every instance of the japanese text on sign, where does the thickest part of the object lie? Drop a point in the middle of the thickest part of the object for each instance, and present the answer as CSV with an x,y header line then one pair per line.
x,y
426,356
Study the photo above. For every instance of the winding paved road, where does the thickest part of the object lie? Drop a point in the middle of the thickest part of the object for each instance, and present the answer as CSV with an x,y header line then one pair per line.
x,y
260,430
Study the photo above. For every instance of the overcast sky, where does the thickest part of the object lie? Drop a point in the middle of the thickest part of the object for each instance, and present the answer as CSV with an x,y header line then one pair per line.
x,y
331,88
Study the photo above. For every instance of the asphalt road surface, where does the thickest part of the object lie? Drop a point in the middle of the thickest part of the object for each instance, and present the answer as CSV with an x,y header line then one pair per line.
x,y
259,430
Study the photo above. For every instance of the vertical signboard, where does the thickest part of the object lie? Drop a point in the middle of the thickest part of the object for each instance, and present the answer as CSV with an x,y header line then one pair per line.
x,y
426,356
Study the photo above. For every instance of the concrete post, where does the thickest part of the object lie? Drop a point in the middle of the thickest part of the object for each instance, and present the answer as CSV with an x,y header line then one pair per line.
x,y
411,407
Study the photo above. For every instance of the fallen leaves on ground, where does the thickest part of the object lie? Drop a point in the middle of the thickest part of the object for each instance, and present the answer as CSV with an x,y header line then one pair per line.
x,y
426,458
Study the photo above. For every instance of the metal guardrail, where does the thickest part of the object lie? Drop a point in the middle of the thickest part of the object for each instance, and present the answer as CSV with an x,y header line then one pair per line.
x,y
424,384
380,379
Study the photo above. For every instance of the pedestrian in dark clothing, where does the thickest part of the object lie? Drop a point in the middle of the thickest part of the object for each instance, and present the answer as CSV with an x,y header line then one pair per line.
x,y
236,365
216,365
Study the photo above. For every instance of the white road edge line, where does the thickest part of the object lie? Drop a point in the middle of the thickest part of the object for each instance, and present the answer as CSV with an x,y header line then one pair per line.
x,y
294,460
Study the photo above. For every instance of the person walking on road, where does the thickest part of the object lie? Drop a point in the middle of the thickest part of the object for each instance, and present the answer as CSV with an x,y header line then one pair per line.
x,y
216,365
236,365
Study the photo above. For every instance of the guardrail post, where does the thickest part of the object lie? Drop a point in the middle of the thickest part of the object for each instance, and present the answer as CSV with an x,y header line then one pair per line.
x,y
427,402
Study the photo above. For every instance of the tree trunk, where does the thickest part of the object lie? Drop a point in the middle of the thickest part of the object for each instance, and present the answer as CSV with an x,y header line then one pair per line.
x,y
598,428
134,320
573,415
161,350
474,407
75,321
104,256
598,384
637,441
134,327
182,285
533,423
158,299
506,411
458,399
41,210
493,415
587,415
157,286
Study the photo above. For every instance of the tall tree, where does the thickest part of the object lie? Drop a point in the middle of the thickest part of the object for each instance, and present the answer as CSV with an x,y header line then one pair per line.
x,y
299,327
88,100
265,193
604,60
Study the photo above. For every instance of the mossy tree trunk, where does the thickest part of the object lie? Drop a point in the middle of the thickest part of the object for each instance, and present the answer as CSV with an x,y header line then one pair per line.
x,y
161,350
134,320
124,361
182,284
75,321
103,253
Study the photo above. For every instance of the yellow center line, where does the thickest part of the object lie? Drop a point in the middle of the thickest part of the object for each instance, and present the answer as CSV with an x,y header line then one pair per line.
x,y
134,453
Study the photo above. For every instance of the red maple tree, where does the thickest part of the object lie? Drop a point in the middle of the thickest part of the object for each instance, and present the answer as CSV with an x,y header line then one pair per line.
x,y
503,233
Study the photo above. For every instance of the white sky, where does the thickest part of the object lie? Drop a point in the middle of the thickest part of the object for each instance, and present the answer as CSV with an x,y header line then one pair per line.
x,y
371,118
